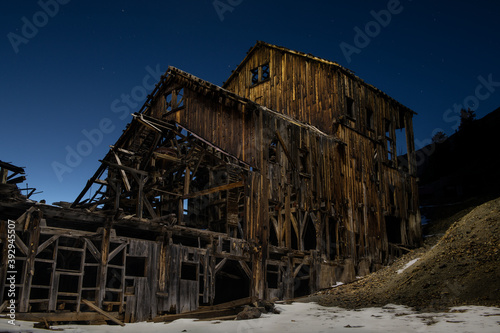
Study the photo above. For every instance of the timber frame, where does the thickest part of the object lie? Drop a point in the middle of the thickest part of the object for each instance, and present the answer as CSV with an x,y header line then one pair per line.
x,y
281,183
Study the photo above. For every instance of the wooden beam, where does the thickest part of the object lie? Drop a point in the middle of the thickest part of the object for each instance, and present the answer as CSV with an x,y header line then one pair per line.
x,y
44,245
122,167
115,251
280,139
104,313
167,157
91,247
62,316
245,268
219,266
122,172
214,189
3,306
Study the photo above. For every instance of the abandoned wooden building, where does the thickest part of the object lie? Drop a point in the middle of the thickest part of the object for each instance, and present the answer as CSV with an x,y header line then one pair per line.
x,y
280,183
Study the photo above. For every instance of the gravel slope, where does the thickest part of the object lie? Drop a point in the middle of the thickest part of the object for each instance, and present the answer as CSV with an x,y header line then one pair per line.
x,y
460,268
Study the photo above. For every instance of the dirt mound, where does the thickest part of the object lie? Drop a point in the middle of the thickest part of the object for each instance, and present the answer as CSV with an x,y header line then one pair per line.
x,y
462,268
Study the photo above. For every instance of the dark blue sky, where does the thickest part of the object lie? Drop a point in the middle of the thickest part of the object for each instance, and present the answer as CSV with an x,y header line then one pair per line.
x,y
67,69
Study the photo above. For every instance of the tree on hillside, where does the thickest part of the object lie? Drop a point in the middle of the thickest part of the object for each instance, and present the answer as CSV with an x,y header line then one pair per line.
x,y
466,118
439,137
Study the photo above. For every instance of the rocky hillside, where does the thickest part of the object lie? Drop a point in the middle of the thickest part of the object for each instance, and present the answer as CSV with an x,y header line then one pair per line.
x,y
462,267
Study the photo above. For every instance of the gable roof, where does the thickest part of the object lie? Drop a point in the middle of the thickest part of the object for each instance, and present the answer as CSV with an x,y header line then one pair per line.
x,y
311,57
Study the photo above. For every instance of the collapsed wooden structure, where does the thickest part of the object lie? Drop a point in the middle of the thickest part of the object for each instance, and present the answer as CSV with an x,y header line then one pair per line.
x,y
282,182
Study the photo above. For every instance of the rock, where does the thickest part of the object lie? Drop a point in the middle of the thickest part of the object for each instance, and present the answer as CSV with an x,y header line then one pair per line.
x,y
267,305
248,313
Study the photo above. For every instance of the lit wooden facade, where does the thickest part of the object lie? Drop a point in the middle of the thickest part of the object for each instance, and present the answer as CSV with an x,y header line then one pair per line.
x,y
281,183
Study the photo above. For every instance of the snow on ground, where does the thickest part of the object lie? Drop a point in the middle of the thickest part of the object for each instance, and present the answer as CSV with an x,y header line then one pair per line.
x,y
408,264
309,318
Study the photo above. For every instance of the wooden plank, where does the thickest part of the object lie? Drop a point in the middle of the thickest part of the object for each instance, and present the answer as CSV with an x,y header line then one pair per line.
x,y
199,315
63,316
116,251
4,306
44,245
122,173
104,313
103,264
214,189
285,149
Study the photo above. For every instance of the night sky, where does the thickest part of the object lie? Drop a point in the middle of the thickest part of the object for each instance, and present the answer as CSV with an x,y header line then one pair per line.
x,y
73,71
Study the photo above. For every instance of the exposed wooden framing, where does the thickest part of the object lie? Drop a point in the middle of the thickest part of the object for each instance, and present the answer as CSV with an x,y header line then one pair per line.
x,y
213,190
104,313
122,173
188,199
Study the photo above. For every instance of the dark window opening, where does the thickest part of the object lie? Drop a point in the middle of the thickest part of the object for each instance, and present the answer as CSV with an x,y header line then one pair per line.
x,y
401,141
68,284
393,229
114,279
136,266
90,277
231,283
189,271
310,236
272,276
350,112
265,72
39,293
43,273
69,260
255,75
301,282
260,74
369,119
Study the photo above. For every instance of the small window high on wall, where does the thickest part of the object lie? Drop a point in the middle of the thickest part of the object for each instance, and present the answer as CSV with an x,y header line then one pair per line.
x,y
350,108
369,119
260,74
